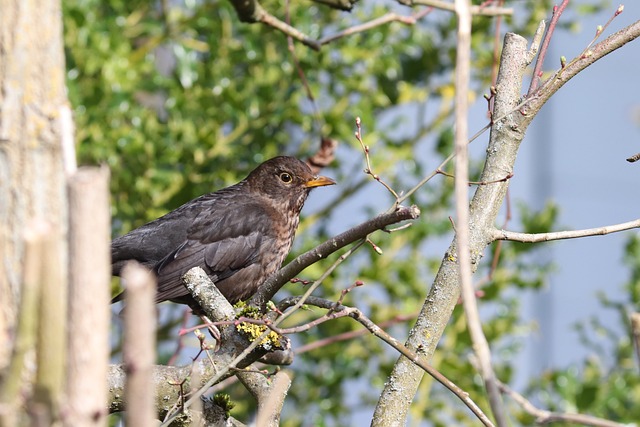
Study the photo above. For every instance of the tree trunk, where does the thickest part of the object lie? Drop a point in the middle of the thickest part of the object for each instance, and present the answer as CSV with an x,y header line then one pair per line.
x,y
34,113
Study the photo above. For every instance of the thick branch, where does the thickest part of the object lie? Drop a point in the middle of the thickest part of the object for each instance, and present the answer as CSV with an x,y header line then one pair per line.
x,y
445,291
165,380
235,350
338,4
51,351
506,134
11,386
207,295
170,381
270,395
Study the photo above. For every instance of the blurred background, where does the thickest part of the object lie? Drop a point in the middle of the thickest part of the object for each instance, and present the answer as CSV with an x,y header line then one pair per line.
x,y
180,98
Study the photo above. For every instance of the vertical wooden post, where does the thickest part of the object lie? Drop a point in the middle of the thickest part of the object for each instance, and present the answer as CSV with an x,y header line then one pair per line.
x,y
89,295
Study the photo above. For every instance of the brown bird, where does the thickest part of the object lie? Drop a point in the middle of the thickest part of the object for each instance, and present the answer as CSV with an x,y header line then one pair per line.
x,y
239,235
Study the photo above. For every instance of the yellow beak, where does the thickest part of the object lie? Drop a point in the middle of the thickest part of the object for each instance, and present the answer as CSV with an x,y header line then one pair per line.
x,y
319,181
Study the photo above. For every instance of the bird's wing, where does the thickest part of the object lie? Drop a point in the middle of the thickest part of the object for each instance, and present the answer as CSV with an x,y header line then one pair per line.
x,y
153,241
220,242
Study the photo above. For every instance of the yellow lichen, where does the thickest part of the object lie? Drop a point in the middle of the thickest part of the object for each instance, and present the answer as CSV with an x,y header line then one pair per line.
x,y
253,331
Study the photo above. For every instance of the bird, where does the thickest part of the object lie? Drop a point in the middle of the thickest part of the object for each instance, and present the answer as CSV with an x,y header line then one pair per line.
x,y
239,235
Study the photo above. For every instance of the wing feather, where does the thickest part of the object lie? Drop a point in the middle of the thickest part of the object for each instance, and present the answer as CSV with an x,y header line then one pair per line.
x,y
221,243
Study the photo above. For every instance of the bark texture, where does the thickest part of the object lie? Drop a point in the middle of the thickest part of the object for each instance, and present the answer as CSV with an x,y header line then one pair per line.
x,y
32,178
506,135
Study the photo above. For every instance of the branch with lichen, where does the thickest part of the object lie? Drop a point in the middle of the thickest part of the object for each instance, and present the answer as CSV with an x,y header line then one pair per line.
x,y
235,349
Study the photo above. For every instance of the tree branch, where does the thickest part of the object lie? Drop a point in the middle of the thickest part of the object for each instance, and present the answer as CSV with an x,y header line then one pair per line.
x,y
251,11
506,134
173,383
505,138
270,398
562,76
561,235
475,10
11,388
537,69
235,350
635,333
474,325
218,308
275,282
342,311
385,19
546,417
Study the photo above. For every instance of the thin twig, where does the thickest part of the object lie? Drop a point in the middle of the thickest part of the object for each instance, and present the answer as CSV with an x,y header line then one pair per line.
x,y
186,316
369,170
551,85
599,30
480,344
427,178
498,248
276,281
496,48
546,417
495,181
475,136
560,235
377,331
537,71
635,333
384,19
475,10
345,336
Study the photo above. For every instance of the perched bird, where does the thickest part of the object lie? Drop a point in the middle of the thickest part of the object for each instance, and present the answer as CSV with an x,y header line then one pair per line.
x,y
239,235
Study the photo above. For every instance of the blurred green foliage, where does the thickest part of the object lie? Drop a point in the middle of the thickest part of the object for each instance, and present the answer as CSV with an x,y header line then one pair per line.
x,y
606,384
180,99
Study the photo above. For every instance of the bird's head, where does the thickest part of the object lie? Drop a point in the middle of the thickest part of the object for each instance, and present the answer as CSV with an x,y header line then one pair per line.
x,y
286,180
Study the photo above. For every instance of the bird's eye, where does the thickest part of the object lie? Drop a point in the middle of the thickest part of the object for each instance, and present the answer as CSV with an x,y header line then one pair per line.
x,y
285,177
